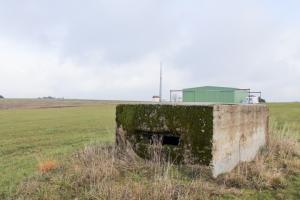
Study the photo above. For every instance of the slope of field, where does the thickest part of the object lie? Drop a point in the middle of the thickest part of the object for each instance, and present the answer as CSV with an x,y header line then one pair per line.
x,y
30,135
49,103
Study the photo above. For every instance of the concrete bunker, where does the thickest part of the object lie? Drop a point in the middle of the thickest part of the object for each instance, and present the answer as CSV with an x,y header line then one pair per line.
x,y
215,135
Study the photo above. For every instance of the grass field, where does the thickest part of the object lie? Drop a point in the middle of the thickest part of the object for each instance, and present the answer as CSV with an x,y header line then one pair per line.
x,y
286,114
30,135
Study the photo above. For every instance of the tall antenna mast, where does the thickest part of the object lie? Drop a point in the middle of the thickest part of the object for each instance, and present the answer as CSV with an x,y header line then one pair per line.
x,y
160,83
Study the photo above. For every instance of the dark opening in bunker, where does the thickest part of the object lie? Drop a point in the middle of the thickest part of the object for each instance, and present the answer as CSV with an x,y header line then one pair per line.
x,y
166,138
170,140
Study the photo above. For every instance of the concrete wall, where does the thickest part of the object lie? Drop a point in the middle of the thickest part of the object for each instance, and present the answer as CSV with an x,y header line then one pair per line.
x,y
239,132
190,125
216,135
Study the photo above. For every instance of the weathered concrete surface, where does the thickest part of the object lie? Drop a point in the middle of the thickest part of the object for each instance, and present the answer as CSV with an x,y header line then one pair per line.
x,y
185,130
216,135
239,132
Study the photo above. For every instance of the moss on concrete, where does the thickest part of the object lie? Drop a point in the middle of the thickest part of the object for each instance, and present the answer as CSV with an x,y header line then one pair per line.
x,y
193,124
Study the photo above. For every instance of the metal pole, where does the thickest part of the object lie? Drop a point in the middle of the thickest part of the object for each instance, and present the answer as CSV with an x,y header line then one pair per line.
x,y
249,96
160,83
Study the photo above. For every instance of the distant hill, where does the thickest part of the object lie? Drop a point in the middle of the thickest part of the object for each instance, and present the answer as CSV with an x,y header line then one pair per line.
x,y
1,97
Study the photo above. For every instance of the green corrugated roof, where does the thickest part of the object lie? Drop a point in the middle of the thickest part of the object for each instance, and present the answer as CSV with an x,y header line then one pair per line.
x,y
212,88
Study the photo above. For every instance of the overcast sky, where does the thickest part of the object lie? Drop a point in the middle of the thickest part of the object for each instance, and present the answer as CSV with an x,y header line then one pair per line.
x,y
111,49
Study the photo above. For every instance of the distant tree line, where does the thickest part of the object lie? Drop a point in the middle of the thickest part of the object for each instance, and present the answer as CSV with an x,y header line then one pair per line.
x,y
50,97
1,97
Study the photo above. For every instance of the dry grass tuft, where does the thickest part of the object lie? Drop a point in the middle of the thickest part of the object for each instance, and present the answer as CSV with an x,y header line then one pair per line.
x,y
104,172
47,166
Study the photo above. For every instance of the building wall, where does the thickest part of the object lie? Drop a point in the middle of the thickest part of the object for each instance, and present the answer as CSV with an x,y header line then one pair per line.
x,y
189,96
240,96
213,94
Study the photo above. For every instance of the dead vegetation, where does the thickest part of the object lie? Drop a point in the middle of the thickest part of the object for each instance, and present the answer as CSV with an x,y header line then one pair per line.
x,y
46,166
103,172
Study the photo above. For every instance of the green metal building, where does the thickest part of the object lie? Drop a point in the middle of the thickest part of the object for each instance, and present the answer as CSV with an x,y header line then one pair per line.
x,y
213,94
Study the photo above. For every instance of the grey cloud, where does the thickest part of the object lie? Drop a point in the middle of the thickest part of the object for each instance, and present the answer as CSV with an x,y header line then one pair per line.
x,y
234,43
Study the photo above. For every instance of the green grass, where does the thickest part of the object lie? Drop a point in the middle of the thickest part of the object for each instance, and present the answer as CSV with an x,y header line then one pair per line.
x,y
292,192
28,135
286,114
